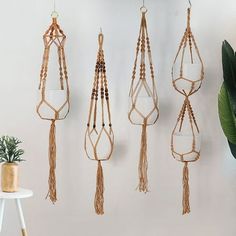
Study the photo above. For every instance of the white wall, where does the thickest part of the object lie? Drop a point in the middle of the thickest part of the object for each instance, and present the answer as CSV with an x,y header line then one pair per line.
x,y
127,212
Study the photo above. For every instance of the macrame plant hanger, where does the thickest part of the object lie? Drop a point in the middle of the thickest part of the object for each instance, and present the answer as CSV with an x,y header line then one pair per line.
x,y
54,104
143,97
99,138
187,77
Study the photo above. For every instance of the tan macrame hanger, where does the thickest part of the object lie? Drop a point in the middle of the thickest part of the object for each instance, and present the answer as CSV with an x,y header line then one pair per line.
x,y
99,134
143,85
53,37
193,151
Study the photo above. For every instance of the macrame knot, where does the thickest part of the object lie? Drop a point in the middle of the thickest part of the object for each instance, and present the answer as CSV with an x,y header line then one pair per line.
x,y
52,193
188,19
99,199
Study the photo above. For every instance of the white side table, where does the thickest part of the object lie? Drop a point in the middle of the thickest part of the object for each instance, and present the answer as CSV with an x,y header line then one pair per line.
x,y
17,196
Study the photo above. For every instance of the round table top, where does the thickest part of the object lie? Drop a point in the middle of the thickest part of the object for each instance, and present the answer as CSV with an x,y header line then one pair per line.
x,y
22,193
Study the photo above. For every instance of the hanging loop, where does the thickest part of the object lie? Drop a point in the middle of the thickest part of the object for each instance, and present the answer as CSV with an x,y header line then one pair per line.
x,y
143,9
100,39
54,15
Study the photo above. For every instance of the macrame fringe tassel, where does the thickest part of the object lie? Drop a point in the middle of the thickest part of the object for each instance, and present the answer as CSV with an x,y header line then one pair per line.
x,y
186,205
143,164
99,199
52,192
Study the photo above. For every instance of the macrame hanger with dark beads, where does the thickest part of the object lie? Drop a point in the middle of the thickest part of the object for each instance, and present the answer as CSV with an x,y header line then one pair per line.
x,y
100,90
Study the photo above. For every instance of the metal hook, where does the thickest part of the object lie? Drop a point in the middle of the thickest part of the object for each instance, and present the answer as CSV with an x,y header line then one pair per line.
x,y
100,30
190,4
143,3
54,13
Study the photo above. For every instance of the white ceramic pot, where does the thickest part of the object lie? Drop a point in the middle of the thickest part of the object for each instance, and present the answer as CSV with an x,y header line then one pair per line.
x,y
145,105
56,98
182,144
102,141
191,72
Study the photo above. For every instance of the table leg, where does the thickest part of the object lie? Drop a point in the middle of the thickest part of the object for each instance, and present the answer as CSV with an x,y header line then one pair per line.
x,y
2,206
21,216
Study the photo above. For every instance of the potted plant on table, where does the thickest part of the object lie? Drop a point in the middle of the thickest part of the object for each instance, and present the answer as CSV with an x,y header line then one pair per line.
x,y
10,156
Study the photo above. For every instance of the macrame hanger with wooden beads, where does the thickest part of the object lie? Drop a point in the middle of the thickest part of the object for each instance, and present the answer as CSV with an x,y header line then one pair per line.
x,y
46,109
148,87
188,39
187,87
98,137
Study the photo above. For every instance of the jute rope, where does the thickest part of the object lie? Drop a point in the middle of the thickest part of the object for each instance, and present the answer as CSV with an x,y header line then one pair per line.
x,y
99,130
52,193
143,48
143,164
99,198
53,36
186,206
188,39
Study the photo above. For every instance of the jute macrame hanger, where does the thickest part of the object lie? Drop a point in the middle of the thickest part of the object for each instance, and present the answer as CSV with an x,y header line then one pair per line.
x,y
54,36
140,86
193,151
99,127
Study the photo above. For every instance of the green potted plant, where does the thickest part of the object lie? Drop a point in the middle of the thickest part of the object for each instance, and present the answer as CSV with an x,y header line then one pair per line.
x,y
227,96
10,156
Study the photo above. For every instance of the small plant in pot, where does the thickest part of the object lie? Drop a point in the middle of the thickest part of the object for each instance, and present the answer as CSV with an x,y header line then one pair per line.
x,y
10,156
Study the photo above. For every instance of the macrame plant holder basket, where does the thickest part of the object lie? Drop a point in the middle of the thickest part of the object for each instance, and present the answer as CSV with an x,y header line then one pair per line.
x,y
143,109
54,104
187,77
99,138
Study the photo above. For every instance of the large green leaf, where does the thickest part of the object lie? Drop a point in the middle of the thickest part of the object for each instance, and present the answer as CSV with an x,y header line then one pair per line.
x,y
229,70
227,118
229,64
232,148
